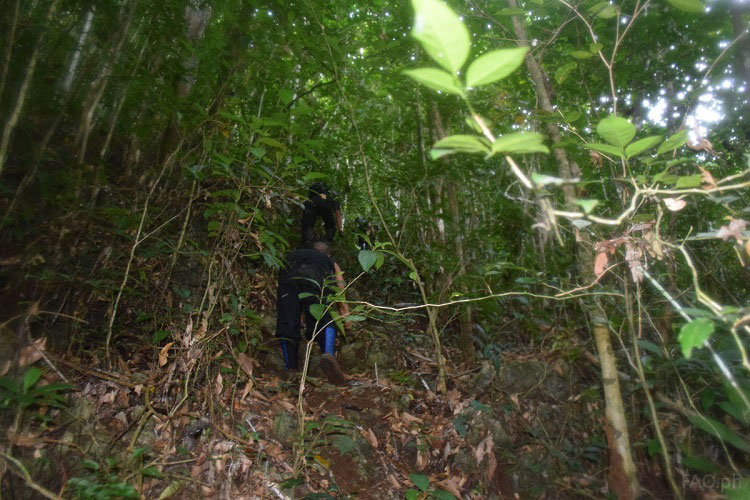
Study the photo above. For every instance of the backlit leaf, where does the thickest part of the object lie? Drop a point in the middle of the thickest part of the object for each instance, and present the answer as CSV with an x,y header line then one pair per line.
x,y
520,142
543,180
605,148
463,143
689,181
562,73
436,79
616,131
694,334
673,142
587,205
581,54
605,10
642,145
442,34
494,66
688,5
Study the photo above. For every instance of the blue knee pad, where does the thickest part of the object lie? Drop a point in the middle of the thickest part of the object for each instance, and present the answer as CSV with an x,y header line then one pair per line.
x,y
330,340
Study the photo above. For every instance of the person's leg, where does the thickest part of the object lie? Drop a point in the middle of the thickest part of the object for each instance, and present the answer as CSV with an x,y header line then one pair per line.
x,y
329,222
287,321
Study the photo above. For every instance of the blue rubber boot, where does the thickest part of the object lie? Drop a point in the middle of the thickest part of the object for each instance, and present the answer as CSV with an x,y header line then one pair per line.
x,y
330,340
289,350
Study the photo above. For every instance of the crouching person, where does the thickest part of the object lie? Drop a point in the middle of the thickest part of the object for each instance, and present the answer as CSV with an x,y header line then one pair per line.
x,y
308,272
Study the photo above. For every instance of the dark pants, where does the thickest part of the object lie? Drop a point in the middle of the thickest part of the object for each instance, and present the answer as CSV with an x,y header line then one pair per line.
x,y
311,214
288,310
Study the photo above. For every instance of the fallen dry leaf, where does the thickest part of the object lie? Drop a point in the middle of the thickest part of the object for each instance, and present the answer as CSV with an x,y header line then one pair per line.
x,y
674,205
164,354
370,437
406,417
32,353
245,364
732,230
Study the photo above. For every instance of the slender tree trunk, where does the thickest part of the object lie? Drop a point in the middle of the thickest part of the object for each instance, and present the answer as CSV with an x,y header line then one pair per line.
x,y
15,113
9,47
97,88
85,30
622,473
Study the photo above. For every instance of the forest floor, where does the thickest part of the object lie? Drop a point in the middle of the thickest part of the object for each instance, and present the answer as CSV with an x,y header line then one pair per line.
x,y
174,421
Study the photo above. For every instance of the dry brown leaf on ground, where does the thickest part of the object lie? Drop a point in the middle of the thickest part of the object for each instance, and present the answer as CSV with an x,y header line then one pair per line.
x,y
452,485
219,384
370,437
246,364
32,352
409,418
164,354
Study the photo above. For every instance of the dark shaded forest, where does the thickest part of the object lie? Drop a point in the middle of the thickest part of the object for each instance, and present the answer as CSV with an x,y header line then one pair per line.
x,y
543,236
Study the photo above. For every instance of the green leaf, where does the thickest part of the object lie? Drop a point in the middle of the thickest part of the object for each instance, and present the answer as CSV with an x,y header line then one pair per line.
x,y
304,295
413,276
673,142
694,334
605,10
721,431
420,481
581,54
344,443
436,154
436,79
443,495
562,72
543,180
173,488
272,142
605,148
31,377
317,310
412,494
463,143
520,142
687,5
689,181
494,66
587,205
367,259
595,47
616,130
740,491
700,464
442,34
152,471
380,261
642,145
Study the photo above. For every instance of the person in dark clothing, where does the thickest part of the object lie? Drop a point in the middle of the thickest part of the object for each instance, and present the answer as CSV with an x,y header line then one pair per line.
x,y
309,272
322,203
367,232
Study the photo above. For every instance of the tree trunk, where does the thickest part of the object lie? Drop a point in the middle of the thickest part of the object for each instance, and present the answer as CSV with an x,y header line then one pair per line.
x,y
622,473
15,113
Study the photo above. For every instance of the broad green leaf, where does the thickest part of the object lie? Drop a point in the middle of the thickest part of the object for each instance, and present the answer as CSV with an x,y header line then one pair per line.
x,y
562,73
596,47
413,276
700,464
571,116
689,181
442,495
616,131
367,259
152,471
412,494
311,176
258,152
436,79
587,205
317,310
520,142
721,431
463,143
442,34
694,334
581,54
31,377
605,148
739,491
688,5
344,443
439,153
494,66
735,398
543,180
420,481
673,142
642,145
305,295
272,142
380,261
605,10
